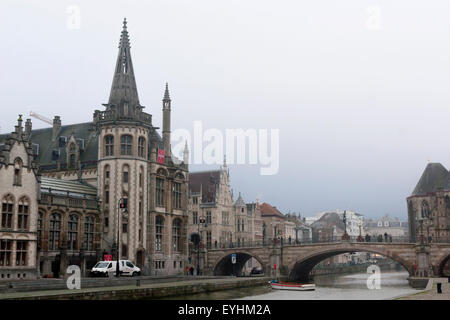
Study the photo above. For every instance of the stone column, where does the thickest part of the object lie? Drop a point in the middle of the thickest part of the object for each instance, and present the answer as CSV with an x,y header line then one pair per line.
x,y
423,261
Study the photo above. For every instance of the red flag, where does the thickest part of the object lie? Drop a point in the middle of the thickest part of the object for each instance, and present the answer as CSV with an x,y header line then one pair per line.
x,y
161,156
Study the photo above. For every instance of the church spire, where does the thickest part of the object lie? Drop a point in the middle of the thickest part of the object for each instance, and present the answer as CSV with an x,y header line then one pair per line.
x,y
166,93
124,93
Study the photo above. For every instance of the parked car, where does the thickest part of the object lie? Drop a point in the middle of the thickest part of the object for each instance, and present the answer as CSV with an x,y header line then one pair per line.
x,y
108,268
256,270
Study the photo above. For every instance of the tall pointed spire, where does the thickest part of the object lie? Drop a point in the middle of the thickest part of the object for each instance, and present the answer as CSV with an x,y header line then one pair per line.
x,y
166,93
124,93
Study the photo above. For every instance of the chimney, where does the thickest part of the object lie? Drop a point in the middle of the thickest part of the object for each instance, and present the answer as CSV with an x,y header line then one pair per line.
x,y
56,127
28,127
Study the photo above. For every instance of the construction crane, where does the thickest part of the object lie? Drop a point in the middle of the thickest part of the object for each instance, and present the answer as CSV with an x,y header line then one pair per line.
x,y
42,118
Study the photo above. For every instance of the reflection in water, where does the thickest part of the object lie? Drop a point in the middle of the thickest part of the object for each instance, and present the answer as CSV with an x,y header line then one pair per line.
x,y
329,287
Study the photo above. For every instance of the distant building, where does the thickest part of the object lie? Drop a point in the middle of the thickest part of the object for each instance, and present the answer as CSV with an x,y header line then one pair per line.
x,y
303,232
328,228
391,226
273,222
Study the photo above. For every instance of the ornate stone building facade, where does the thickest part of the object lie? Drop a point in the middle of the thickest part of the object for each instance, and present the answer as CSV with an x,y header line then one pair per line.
x,y
19,192
429,206
211,208
89,169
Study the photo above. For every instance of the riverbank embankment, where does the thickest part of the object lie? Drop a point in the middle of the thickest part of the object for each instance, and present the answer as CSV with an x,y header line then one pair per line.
x,y
141,291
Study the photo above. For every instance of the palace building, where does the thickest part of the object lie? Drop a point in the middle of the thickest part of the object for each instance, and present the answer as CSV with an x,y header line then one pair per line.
x,y
62,188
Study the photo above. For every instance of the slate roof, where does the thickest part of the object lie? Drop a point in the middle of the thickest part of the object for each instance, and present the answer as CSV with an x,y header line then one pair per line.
x,y
207,182
85,131
268,210
59,186
434,177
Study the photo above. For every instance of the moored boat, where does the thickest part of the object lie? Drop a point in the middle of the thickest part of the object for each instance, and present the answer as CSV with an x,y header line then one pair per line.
x,y
281,285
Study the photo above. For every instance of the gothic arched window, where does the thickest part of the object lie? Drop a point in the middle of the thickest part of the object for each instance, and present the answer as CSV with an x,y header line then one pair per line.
x,y
7,212
72,232
55,231
23,214
176,235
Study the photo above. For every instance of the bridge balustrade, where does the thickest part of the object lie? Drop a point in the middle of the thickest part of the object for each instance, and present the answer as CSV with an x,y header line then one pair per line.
x,y
308,241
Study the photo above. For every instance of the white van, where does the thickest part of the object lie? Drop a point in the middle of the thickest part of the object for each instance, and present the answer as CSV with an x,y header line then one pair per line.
x,y
108,268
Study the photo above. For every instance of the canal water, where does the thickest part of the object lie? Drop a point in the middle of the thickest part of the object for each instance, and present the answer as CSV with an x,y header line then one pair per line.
x,y
328,287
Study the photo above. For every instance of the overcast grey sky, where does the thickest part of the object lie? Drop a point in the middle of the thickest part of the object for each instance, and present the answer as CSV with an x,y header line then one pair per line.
x,y
359,89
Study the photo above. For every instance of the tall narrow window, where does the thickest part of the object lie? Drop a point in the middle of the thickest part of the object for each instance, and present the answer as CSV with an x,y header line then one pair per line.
x,y
55,231
177,195
208,217
126,143
141,147
194,217
23,213
208,240
125,175
5,252
159,192
39,230
72,232
109,145
176,234
21,253
72,156
159,227
7,212
89,233
17,172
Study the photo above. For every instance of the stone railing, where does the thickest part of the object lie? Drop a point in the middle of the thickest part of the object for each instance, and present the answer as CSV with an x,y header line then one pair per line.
x,y
68,201
113,115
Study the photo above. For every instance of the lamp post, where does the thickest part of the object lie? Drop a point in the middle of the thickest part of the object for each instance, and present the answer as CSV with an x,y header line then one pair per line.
x,y
123,204
201,220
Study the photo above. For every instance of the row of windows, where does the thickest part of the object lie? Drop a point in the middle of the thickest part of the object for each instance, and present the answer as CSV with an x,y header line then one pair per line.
x,y
6,250
159,194
196,220
126,146
8,213
73,234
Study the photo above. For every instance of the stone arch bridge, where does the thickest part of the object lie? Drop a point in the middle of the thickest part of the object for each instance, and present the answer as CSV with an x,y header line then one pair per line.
x,y
296,261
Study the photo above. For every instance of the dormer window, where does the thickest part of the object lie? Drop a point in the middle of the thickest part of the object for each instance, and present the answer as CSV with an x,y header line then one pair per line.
x,y
72,156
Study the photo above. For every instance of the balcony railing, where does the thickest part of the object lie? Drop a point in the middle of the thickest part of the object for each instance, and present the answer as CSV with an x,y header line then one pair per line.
x,y
68,201
114,115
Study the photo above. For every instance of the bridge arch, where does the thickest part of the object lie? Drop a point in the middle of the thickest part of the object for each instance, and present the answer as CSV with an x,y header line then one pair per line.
x,y
442,262
224,267
299,269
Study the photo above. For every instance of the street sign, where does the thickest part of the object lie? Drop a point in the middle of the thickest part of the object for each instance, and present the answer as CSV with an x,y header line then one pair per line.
x,y
233,258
